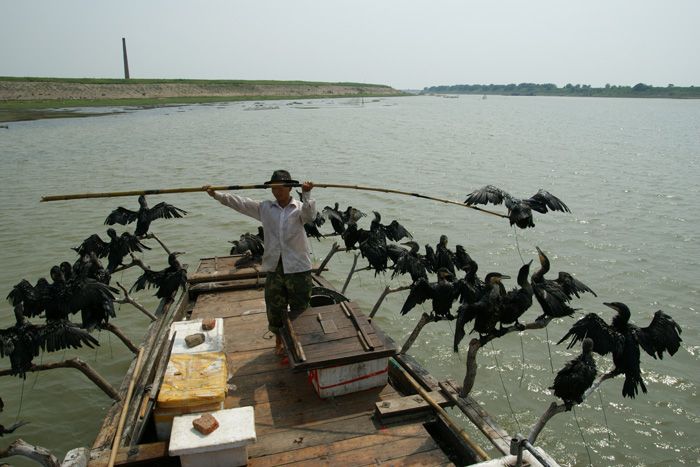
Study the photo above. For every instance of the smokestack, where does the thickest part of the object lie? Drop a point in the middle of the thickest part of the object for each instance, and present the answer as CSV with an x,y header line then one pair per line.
x,y
126,61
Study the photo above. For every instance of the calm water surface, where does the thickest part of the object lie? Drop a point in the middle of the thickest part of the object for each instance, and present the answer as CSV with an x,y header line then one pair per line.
x,y
628,169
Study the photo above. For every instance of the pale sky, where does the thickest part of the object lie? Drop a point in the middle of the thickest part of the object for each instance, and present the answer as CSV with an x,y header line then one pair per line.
x,y
404,44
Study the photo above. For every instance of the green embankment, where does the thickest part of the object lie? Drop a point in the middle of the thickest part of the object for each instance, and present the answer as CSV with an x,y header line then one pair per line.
x,y
36,98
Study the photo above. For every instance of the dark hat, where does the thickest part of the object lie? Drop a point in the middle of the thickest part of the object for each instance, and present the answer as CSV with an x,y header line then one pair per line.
x,y
281,176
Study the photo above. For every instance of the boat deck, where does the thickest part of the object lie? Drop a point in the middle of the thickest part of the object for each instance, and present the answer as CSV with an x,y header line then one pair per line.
x,y
294,426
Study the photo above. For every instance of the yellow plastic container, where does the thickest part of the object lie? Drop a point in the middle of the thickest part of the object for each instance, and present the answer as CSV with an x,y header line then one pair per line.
x,y
193,379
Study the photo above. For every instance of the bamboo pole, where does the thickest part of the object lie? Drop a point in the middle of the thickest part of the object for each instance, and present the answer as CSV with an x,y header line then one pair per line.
x,y
125,408
165,191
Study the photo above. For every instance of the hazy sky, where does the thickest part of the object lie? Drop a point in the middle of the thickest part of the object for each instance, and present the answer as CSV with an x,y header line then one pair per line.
x,y
405,44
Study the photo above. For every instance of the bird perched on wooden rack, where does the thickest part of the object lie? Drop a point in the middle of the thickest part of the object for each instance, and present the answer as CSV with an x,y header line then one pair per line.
x,y
394,231
311,228
115,250
623,339
485,312
519,210
93,312
518,300
576,377
409,261
167,281
23,341
144,216
341,219
441,293
63,297
251,246
554,295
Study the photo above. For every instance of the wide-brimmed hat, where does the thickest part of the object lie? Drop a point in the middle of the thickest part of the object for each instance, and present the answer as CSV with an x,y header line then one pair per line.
x,y
280,176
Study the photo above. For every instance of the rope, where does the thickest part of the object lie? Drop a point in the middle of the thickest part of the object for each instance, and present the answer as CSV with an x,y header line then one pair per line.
x,y
580,430
500,375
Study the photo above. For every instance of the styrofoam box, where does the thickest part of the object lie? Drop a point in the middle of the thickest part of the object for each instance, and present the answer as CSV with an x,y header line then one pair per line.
x,y
213,339
226,446
354,377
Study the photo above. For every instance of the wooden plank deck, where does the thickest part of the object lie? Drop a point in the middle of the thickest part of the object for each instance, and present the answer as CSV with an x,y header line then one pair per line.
x,y
294,426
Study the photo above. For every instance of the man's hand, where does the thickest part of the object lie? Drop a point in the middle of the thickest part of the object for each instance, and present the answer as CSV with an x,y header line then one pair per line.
x,y
306,186
210,191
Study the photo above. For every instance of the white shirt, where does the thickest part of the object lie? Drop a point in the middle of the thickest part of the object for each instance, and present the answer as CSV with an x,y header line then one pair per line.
x,y
283,228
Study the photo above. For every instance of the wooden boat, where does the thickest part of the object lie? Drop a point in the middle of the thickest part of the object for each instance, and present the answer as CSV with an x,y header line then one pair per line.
x,y
401,421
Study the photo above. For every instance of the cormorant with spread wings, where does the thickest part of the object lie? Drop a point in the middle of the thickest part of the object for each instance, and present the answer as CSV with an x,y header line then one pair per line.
x,y
519,210
144,216
115,250
623,339
554,295
167,281
23,341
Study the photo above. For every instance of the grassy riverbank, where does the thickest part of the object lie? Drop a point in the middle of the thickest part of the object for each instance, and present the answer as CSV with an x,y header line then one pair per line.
x,y
37,98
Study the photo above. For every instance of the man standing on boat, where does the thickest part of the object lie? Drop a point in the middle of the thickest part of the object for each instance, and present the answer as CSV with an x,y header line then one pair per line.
x,y
286,258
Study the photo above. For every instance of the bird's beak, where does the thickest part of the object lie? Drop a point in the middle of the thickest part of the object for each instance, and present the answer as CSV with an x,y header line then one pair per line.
x,y
504,276
608,304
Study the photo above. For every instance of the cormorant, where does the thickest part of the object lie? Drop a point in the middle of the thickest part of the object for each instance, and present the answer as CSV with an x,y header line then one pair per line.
x,y
248,242
518,300
336,217
485,312
33,297
144,216
114,250
411,262
623,339
576,377
62,297
554,295
373,247
519,210
168,280
23,341
94,313
394,231
311,228
442,293
444,257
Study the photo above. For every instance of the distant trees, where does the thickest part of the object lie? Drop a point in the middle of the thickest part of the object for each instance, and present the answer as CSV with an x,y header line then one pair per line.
x,y
550,89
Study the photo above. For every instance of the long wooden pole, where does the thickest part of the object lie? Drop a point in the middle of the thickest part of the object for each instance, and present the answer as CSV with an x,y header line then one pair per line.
x,y
125,408
166,191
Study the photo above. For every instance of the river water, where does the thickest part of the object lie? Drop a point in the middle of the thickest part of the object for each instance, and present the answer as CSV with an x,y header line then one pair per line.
x,y
628,170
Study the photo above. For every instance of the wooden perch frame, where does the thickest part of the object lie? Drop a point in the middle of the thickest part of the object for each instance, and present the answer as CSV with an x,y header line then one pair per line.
x,y
79,365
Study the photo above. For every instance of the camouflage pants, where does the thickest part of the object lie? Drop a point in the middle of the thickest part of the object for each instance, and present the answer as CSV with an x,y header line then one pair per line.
x,y
285,289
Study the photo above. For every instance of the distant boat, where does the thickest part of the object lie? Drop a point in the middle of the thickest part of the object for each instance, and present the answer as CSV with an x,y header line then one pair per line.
x,y
483,97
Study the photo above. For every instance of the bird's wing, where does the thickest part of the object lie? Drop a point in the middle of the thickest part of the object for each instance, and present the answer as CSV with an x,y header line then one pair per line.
x,y
88,292
485,195
605,339
93,244
397,232
420,292
465,314
164,210
663,334
121,216
543,200
146,280
33,297
62,334
572,286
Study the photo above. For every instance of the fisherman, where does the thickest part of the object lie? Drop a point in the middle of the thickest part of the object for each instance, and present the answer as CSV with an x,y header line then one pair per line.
x,y
286,258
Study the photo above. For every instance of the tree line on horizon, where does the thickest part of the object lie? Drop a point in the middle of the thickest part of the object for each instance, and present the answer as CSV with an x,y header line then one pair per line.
x,y
580,90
